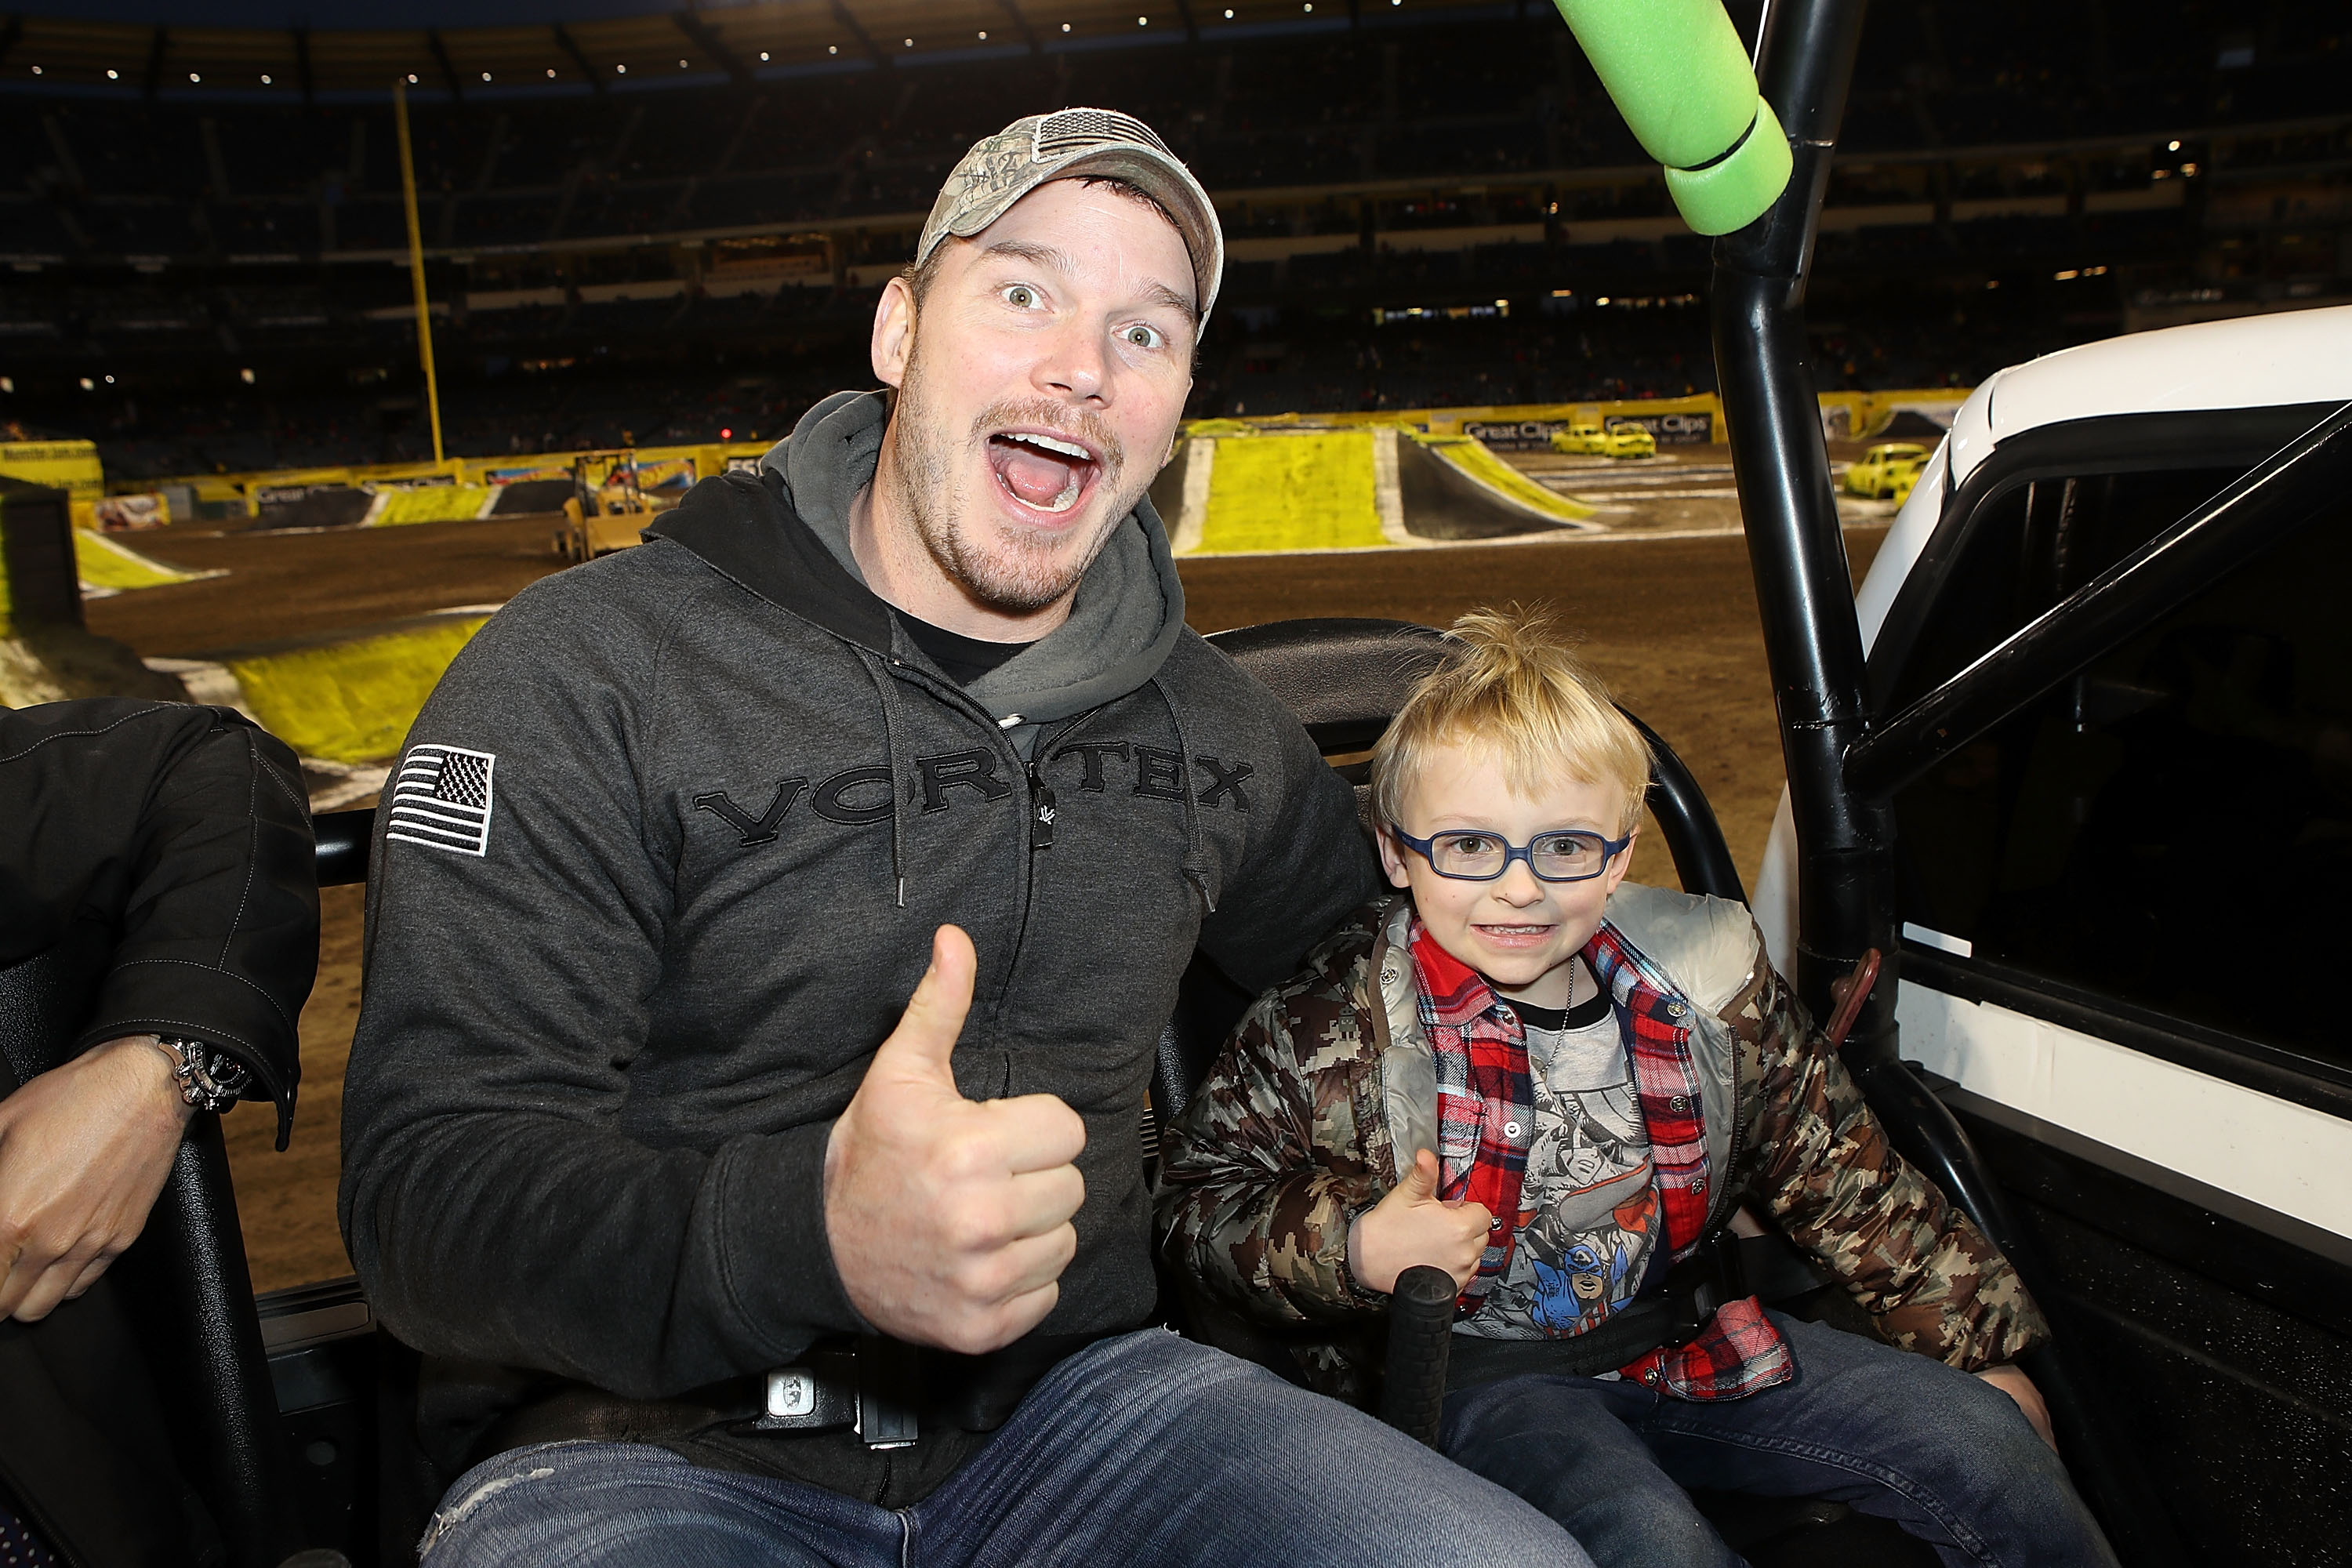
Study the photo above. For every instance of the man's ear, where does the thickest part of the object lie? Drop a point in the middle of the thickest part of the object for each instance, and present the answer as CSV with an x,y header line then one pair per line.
x,y
894,332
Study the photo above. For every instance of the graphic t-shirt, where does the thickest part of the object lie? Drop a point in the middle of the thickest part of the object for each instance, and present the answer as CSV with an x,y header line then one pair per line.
x,y
1587,1181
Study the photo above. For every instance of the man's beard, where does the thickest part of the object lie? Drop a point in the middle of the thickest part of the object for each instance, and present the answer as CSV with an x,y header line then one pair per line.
x,y
1014,572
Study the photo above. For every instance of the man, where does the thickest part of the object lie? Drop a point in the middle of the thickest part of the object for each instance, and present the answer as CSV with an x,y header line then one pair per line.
x,y
159,932
634,1105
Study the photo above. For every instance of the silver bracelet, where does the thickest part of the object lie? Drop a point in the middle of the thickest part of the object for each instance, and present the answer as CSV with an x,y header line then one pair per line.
x,y
209,1079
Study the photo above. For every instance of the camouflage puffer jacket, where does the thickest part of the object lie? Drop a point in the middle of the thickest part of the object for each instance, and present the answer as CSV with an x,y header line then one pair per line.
x,y
1328,1082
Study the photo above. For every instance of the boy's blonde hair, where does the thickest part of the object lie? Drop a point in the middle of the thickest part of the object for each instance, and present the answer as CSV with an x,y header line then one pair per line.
x,y
1509,681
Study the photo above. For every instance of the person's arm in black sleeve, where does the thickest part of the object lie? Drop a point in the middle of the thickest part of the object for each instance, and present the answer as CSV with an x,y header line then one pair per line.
x,y
185,832
1308,867
173,843
496,1207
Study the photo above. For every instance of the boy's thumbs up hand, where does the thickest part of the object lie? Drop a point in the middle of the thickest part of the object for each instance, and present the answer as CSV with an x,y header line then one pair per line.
x,y
949,1218
1411,1227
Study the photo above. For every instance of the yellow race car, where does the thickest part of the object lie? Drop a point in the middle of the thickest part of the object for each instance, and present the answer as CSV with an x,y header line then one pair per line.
x,y
1887,471
1621,440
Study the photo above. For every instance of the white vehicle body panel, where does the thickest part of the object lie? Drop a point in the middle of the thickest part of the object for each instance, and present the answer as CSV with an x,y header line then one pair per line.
x,y
2272,1151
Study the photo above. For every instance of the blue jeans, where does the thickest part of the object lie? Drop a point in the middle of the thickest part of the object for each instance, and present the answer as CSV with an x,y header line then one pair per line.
x,y
1946,1456
1140,1450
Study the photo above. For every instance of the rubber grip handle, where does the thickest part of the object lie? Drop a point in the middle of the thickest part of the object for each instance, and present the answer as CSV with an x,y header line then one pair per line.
x,y
1421,1333
1677,71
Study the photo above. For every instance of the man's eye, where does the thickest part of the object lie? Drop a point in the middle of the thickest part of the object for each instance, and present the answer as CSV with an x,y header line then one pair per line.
x,y
1019,296
1142,337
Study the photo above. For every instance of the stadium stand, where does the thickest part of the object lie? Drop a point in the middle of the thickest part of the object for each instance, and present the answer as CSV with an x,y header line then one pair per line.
x,y
617,258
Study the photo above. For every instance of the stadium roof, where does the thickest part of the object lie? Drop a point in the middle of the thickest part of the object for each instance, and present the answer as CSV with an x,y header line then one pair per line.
x,y
531,52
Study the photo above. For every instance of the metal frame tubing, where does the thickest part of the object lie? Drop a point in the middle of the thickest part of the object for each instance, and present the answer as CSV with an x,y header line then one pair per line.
x,y
1804,589
2287,490
1804,594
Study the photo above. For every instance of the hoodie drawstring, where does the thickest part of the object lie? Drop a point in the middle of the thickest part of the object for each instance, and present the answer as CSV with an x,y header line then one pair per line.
x,y
888,691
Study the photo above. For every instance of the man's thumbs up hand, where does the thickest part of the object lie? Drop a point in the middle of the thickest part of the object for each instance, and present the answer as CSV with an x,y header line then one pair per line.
x,y
949,1218
1411,1227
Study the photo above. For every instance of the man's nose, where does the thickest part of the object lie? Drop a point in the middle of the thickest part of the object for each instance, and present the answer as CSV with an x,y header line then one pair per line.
x,y
1075,366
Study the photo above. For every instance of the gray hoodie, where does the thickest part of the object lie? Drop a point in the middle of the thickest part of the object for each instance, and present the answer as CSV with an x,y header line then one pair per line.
x,y
660,868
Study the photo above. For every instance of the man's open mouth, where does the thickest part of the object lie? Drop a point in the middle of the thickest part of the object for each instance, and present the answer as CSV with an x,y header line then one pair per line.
x,y
1048,473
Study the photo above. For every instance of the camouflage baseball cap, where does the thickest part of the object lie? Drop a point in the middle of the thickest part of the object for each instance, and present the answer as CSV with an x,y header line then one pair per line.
x,y
1070,143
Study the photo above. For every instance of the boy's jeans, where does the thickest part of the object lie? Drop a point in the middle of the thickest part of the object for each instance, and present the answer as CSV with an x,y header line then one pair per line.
x,y
1946,1455
1140,1450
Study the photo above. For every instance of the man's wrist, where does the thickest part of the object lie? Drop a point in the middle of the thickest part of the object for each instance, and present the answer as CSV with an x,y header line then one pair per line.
x,y
204,1078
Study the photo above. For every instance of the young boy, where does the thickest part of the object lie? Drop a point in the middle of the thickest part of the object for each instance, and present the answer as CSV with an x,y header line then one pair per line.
x,y
1557,1085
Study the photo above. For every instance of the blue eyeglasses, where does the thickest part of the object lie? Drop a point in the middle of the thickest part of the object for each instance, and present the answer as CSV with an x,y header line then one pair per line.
x,y
1470,856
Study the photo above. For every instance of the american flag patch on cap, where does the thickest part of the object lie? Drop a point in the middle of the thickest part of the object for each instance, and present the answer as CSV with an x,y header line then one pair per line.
x,y
442,799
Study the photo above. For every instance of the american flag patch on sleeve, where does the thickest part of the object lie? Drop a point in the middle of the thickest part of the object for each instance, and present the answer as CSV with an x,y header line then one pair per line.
x,y
441,798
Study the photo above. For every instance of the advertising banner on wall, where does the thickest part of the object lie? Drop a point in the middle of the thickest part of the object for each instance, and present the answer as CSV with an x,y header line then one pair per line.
x,y
1677,426
124,514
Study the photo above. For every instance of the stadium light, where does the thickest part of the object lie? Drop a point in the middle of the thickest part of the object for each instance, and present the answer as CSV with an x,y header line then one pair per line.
x,y
1066,27
1143,21
763,56
832,48
910,43
109,381
681,65
193,76
113,74
620,70
88,384
246,376
485,76
8,384
36,70
264,78
412,78
983,35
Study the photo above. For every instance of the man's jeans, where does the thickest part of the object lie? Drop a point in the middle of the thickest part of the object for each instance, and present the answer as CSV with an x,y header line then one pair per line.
x,y
1141,1450
1946,1455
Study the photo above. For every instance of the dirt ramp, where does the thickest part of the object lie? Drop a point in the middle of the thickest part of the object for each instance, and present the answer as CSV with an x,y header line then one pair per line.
x,y
1450,499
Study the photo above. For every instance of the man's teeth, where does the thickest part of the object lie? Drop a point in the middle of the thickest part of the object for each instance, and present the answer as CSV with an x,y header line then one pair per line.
x,y
1066,448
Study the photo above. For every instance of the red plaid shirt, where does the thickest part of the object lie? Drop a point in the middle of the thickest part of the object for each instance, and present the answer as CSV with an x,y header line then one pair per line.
x,y
1486,1106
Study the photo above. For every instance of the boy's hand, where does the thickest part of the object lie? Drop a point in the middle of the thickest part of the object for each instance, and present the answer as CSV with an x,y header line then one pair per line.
x,y
950,1219
1411,1227
2020,1387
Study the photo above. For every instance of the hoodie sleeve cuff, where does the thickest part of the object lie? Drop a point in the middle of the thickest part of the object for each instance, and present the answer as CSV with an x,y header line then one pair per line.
x,y
777,1255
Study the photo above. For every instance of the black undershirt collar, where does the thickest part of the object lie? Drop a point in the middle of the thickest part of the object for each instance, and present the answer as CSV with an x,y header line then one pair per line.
x,y
960,658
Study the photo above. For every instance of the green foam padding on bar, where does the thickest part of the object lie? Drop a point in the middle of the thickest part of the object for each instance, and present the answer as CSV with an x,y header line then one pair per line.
x,y
1741,189
1674,70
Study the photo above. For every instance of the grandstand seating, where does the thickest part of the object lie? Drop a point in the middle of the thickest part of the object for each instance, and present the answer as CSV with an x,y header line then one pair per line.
x,y
1424,158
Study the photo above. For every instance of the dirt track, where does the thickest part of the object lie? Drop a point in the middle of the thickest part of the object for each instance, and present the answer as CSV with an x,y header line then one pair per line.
x,y
1670,623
